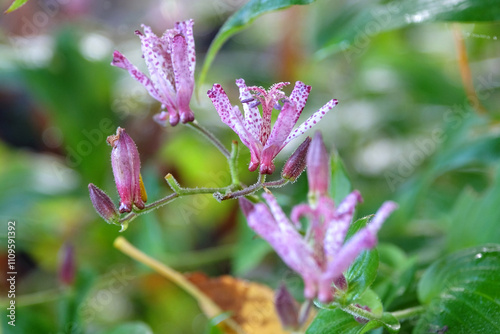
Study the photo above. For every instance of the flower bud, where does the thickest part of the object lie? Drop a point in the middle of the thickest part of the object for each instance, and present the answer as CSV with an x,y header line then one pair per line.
x,y
103,204
126,169
287,308
318,168
296,164
67,264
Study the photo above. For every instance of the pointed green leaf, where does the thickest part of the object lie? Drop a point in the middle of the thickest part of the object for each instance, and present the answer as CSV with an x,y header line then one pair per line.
x,y
239,21
343,320
15,5
358,22
363,271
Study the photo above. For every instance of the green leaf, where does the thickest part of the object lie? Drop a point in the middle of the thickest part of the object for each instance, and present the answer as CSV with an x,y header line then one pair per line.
x,y
340,185
363,271
361,274
130,328
358,22
397,275
342,321
15,5
239,21
482,210
462,292
334,321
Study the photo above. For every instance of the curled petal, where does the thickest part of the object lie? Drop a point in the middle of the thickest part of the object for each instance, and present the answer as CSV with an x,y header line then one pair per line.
x,y
156,52
161,118
382,214
301,210
186,29
311,121
337,228
232,117
120,61
284,124
299,96
184,80
363,240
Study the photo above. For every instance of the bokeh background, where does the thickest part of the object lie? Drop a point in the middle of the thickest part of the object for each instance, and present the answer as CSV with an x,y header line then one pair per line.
x,y
405,128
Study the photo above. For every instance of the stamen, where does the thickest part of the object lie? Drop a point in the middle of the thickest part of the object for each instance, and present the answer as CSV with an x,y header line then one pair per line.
x,y
277,106
250,99
255,104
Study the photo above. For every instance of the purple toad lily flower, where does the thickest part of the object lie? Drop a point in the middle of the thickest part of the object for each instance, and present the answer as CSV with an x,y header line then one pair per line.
x,y
126,170
254,130
322,263
321,256
171,61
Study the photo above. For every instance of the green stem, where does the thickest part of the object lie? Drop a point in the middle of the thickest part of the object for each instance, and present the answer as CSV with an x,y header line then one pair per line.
x,y
155,205
172,182
408,313
216,142
251,189
178,192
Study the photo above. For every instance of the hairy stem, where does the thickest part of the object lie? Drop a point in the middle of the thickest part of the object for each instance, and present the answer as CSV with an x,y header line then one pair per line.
x,y
251,189
155,205
408,313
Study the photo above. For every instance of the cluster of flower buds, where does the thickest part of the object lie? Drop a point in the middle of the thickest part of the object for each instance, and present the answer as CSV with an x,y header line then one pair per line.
x,y
255,130
322,263
126,170
171,62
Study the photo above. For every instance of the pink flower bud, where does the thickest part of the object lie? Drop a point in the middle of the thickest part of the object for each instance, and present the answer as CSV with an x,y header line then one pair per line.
x,y
296,164
287,308
67,264
318,167
103,204
126,169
